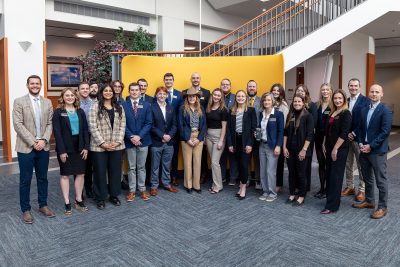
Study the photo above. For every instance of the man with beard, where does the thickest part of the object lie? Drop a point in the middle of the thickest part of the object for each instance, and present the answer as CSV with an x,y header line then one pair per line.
x,y
93,88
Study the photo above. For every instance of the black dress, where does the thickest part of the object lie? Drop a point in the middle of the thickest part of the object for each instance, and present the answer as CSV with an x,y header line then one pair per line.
x,y
74,165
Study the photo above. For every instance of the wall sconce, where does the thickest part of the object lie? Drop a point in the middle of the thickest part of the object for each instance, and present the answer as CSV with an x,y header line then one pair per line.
x,y
25,45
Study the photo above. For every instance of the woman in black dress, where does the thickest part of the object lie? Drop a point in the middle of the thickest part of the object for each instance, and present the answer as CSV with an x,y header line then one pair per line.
x,y
336,148
72,145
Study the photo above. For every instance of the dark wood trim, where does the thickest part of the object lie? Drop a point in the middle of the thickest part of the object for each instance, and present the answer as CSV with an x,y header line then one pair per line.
x,y
370,68
45,74
5,100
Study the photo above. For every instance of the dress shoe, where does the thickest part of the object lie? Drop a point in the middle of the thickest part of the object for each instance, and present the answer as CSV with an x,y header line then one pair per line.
x,y
241,197
360,197
188,190
198,191
171,189
68,209
175,181
320,195
297,203
379,214
290,201
153,192
101,205
115,201
363,205
144,195
47,212
130,197
80,206
27,217
326,211
347,192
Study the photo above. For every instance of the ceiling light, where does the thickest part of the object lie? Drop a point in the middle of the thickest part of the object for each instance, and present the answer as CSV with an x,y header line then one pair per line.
x,y
190,47
264,0
84,35
264,9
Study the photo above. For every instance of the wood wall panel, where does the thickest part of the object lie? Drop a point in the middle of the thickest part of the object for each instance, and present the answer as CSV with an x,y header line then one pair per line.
x,y
370,71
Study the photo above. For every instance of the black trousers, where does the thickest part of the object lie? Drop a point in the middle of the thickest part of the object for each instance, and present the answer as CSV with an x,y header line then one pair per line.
x,y
334,176
297,174
309,167
89,173
242,159
319,138
279,169
106,165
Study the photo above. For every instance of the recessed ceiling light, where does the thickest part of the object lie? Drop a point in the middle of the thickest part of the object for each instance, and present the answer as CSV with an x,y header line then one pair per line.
x,y
264,0
264,9
190,47
84,35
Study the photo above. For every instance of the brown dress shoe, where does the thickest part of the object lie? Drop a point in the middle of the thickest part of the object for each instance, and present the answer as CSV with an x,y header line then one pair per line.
x,y
27,217
175,181
364,205
153,192
144,195
379,214
171,189
360,197
46,211
348,191
130,196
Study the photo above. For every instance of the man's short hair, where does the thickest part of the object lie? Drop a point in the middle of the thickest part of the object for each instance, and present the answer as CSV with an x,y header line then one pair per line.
x,y
132,84
251,81
169,74
82,83
354,80
33,77
142,80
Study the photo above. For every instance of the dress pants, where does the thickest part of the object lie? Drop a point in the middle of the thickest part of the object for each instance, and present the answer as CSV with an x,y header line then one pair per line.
x,y
279,169
161,155
137,157
242,159
192,163
319,138
375,165
297,174
334,176
268,164
212,140
354,152
309,167
233,170
175,157
38,160
106,164
89,173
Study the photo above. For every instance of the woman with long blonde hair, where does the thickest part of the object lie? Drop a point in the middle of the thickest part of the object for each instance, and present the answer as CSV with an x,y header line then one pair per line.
x,y
192,127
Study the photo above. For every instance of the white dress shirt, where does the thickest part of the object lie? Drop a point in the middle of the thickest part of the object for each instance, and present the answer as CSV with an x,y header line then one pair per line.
x,y
353,101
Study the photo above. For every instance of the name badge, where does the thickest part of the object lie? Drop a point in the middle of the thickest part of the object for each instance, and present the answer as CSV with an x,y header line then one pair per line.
x,y
64,115
202,98
174,96
327,112
272,119
140,106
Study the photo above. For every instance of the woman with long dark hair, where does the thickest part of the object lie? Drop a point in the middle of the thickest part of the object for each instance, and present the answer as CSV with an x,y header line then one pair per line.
x,y
242,123
217,116
72,145
336,147
299,132
107,126
281,105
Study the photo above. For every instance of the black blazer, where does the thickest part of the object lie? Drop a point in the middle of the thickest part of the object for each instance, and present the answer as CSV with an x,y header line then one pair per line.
x,y
63,134
161,126
304,133
340,128
313,109
249,127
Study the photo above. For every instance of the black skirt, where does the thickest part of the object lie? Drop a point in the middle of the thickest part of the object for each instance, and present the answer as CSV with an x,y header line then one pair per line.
x,y
74,165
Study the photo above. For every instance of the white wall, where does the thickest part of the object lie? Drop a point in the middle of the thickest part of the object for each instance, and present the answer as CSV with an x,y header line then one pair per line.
x,y
389,78
21,25
67,47
192,32
389,54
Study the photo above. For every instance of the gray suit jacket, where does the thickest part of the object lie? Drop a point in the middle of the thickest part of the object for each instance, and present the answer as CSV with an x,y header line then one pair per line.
x,y
256,105
24,123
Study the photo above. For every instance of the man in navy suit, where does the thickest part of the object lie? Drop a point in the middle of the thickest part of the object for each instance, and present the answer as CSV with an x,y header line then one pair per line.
x,y
356,103
229,99
372,136
143,88
175,100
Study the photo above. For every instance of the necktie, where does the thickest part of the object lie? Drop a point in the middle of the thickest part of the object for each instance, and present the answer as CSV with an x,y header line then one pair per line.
x,y
252,102
37,117
135,108
170,97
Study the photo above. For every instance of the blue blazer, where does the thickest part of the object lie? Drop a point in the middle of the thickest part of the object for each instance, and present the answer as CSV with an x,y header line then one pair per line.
x,y
362,101
141,125
229,101
275,128
184,125
161,126
378,130
177,100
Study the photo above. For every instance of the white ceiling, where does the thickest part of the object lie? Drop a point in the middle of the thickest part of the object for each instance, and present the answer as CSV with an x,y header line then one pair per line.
x,y
243,8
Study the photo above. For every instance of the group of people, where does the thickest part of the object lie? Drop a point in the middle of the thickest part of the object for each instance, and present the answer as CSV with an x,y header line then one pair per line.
x,y
100,137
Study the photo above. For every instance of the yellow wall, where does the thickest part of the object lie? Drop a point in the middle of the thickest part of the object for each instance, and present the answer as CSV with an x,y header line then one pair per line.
x,y
265,70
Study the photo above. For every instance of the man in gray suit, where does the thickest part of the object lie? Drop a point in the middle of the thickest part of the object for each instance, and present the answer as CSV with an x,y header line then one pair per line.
x,y
32,115
254,101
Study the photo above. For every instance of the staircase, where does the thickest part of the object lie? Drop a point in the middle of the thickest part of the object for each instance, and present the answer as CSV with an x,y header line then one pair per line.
x,y
298,29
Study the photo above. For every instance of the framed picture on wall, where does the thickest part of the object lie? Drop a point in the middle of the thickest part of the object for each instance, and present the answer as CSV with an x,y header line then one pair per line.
x,y
61,76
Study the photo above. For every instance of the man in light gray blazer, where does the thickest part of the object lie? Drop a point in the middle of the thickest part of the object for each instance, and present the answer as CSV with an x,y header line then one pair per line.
x,y
32,115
